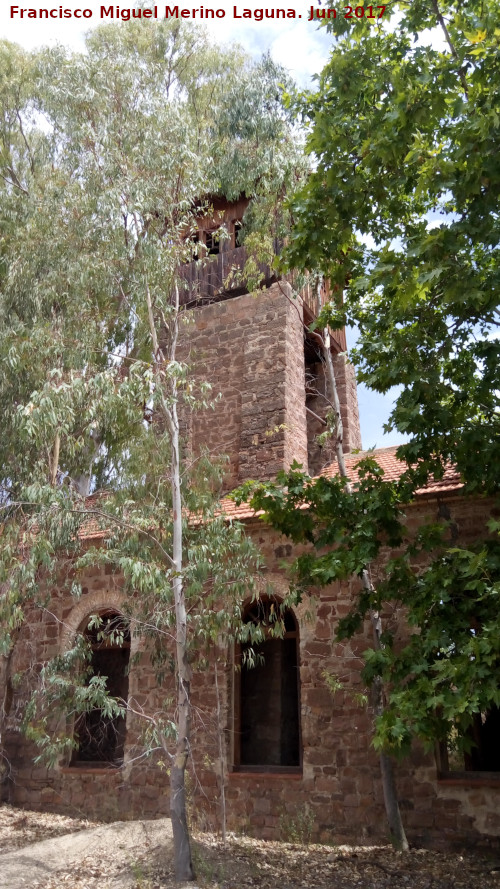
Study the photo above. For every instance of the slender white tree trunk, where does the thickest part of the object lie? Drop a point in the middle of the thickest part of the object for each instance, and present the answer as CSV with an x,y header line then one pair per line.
x,y
55,459
222,759
182,849
184,870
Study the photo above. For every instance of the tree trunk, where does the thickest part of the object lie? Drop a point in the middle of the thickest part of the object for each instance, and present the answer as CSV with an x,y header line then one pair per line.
x,y
183,864
184,871
5,704
83,480
397,831
222,760
55,459
392,810
182,849
398,836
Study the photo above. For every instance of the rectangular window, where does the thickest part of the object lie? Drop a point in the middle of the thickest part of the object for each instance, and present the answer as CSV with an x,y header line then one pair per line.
x,y
269,706
212,242
267,723
483,747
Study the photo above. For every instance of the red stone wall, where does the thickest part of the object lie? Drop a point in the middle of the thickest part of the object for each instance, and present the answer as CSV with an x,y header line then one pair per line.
x,y
250,349
337,792
340,787
346,384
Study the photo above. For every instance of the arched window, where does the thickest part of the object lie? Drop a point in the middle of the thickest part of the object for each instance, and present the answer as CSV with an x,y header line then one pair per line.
x,y
101,738
267,699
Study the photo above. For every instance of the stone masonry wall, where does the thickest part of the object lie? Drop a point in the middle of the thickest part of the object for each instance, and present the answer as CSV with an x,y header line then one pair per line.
x,y
95,791
250,349
340,788
346,385
337,792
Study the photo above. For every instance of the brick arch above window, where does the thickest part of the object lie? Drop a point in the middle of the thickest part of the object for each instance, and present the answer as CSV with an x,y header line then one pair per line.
x,y
101,740
94,602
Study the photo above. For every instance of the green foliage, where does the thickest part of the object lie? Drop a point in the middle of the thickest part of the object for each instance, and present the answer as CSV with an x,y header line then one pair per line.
x,y
402,214
297,828
402,208
105,159
302,509
447,670
65,686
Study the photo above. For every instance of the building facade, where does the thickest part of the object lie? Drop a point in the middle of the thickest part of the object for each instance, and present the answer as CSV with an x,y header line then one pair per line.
x,y
286,754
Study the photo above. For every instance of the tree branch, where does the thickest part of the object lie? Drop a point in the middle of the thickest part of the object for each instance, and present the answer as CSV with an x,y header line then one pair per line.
x,y
55,458
454,53
122,524
13,180
32,163
316,416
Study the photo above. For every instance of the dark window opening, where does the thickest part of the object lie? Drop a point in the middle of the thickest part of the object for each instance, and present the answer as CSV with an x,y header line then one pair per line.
x,y
195,241
101,738
483,754
212,242
238,233
320,453
267,711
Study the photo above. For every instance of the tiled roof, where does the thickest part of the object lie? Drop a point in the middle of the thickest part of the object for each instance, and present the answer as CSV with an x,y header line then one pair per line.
x,y
92,530
393,469
385,457
244,511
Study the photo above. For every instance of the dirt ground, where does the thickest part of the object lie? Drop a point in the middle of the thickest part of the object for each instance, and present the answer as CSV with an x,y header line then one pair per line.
x,y
46,851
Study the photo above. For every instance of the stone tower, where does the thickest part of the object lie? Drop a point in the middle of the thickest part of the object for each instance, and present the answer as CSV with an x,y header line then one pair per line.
x,y
254,350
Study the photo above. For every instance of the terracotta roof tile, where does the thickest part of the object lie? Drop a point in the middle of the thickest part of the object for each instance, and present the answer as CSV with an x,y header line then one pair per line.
x,y
387,460
243,511
91,530
394,468
385,457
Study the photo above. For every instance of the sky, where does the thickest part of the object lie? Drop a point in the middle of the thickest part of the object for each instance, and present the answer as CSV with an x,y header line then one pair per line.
x,y
296,43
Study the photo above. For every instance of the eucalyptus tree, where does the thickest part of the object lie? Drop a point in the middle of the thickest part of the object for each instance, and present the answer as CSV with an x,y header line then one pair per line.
x,y
106,157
